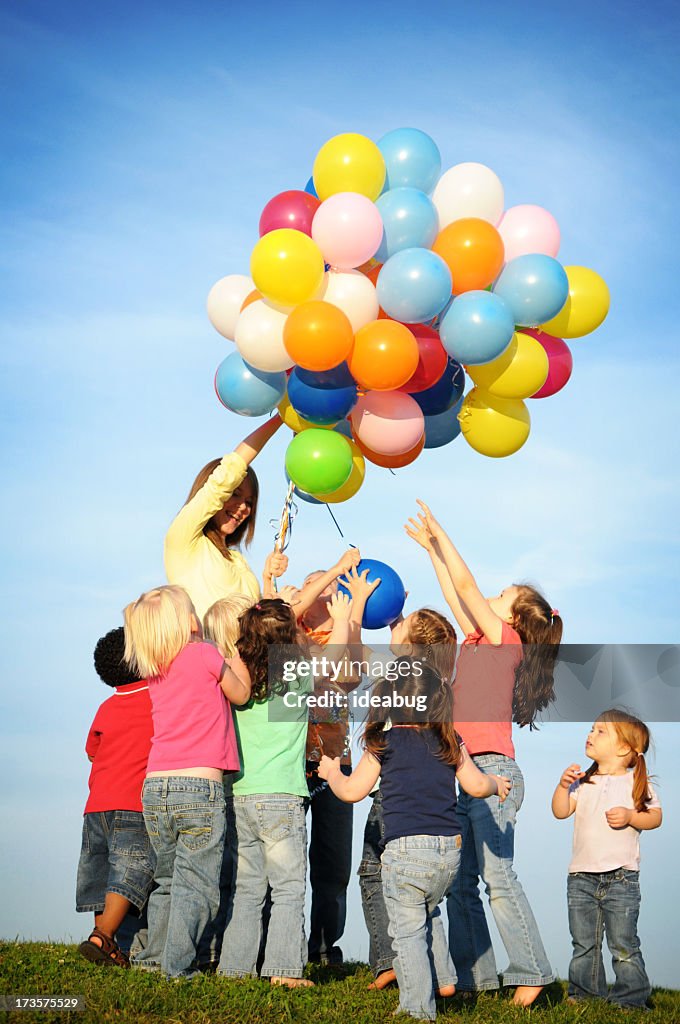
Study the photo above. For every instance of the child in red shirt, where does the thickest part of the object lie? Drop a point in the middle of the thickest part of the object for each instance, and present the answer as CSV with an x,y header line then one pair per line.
x,y
116,866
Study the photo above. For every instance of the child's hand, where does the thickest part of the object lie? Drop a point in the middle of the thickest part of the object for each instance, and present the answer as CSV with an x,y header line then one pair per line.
x,y
420,532
340,607
570,775
275,564
350,558
328,766
503,786
358,585
618,817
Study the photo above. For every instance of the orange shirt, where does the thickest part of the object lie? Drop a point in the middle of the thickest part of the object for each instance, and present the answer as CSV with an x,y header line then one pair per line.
x,y
325,737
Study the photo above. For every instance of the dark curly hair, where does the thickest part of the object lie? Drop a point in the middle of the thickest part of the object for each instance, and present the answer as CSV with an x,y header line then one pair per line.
x,y
268,632
109,663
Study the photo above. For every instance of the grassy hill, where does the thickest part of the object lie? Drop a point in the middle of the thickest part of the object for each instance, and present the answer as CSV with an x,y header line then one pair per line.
x,y
340,997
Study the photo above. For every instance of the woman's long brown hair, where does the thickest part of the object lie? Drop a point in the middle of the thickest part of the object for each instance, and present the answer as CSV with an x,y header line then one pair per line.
x,y
634,734
247,527
540,630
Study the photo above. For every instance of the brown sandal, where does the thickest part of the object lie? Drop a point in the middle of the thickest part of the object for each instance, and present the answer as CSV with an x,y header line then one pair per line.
x,y
107,954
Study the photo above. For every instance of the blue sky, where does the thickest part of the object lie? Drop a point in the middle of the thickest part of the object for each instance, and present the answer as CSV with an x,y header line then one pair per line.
x,y
140,147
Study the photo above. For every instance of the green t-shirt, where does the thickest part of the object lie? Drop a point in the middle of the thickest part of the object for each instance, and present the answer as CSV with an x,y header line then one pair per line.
x,y
272,735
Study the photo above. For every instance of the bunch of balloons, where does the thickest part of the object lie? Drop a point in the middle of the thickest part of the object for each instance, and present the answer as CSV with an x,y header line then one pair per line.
x,y
375,289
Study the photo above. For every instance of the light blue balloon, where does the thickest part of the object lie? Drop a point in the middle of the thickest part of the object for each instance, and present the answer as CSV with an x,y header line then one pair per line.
x,y
535,288
410,219
443,428
411,158
246,390
414,286
477,327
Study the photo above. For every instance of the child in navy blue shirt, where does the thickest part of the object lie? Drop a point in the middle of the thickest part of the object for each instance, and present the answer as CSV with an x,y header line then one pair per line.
x,y
417,754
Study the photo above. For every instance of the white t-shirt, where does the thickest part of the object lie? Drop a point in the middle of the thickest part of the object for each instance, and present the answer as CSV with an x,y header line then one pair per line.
x,y
598,847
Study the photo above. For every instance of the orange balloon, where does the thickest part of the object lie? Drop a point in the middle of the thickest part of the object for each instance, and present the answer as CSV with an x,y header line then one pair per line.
x,y
318,335
372,272
473,251
251,297
385,356
392,461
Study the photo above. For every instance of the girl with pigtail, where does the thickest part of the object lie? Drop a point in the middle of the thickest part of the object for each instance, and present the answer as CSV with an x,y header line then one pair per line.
x,y
504,675
612,802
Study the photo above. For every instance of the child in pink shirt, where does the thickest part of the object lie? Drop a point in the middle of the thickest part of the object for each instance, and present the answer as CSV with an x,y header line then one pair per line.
x,y
190,685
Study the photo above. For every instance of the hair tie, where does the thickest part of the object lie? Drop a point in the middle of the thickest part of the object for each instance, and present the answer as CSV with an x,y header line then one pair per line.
x,y
553,613
258,606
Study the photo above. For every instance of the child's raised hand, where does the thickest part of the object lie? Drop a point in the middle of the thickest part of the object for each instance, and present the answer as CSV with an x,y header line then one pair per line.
x,y
351,558
570,775
503,786
419,531
328,766
432,524
618,817
340,607
358,585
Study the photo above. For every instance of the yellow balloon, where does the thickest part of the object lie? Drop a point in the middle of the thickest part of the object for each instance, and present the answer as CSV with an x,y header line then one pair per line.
x,y
287,267
585,308
293,420
494,426
349,163
519,372
353,482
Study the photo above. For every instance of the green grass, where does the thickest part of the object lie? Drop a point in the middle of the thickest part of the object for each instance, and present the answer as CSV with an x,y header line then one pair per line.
x,y
340,997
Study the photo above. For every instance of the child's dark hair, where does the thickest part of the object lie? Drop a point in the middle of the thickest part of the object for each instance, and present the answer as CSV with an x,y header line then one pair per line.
x,y
635,734
435,711
540,630
269,622
109,661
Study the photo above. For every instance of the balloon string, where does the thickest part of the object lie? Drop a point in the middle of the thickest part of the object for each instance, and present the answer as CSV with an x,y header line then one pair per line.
x,y
334,520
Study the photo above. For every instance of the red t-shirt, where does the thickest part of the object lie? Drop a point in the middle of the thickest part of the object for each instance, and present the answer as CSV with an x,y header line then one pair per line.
x,y
483,690
119,740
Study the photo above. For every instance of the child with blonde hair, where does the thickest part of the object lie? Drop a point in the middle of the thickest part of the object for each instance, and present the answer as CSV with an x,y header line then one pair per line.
x,y
612,802
191,687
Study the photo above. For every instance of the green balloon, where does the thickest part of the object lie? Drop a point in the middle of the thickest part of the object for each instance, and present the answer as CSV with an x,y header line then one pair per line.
x,y
319,461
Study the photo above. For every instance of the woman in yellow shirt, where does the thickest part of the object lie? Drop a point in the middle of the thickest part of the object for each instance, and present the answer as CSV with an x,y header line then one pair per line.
x,y
201,545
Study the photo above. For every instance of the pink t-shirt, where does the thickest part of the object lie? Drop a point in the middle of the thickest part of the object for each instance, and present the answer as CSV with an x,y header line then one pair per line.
x,y
483,689
597,846
192,720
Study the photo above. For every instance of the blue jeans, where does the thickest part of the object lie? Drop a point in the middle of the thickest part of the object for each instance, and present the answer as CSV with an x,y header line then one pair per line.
x,y
417,873
330,869
488,829
115,856
185,819
380,951
606,903
272,850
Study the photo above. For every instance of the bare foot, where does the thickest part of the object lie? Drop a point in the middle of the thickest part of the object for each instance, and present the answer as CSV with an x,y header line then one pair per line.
x,y
279,979
526,994
384,979
446,990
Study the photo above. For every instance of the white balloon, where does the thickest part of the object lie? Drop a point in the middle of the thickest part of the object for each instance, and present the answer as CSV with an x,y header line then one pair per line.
x,y
225,299
468,190
353,293
259,337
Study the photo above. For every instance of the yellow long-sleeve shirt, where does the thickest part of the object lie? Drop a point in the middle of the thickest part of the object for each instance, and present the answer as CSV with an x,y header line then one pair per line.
x,y
193,561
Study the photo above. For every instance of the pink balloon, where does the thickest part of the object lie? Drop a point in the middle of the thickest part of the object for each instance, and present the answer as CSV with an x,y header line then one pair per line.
x,y
388,422
559,359
291,209
528,229
348,229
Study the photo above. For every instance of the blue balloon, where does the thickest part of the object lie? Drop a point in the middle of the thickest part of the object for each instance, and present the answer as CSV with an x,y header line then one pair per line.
x,y
246,390
477,327
414,286
445,393
443,428
387,600
411,159
322,405
309,188
535,288
344,427
337,377
410,220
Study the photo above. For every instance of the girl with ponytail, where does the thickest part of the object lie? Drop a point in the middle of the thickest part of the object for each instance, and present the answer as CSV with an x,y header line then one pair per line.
x,y
504,675
612,803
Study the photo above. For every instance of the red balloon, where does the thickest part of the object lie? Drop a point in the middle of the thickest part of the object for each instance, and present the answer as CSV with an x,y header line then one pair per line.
x,y
293,209
559,359
432,359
